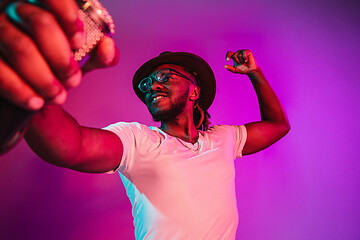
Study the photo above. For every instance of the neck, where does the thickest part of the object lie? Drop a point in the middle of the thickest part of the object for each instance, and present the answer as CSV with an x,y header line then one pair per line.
x,y
183,128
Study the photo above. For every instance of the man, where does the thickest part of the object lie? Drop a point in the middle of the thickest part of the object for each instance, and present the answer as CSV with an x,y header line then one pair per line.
x,y
179,176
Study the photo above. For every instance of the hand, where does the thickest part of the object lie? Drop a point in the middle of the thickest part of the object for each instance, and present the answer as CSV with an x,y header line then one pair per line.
x,y
37,64
244,62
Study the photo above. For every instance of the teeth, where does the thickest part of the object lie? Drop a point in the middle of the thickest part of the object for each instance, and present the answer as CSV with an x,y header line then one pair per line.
x,y
158,97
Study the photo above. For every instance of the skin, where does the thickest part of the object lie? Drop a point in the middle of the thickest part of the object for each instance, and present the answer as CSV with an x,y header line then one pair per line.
x,y
36,62
274,123
36,68
162,91
182,125
41,73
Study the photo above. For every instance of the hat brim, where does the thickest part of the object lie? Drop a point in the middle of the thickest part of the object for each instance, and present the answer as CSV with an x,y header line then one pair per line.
x,y
204,74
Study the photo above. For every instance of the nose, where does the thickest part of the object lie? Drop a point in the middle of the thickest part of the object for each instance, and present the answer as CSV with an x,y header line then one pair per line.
x,y
156,85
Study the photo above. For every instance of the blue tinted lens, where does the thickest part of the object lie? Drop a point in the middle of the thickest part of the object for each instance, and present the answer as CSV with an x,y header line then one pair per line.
x,y
163,75
145,84
160,76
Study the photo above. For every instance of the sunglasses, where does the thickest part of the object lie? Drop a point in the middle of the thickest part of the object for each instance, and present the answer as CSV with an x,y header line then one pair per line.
x,y
160,76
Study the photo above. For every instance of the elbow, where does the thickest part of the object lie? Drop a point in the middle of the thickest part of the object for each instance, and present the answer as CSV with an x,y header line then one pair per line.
x,y
282,128
286,128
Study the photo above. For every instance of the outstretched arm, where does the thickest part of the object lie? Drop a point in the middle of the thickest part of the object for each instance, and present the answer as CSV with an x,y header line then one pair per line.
x,y
58,139
274,123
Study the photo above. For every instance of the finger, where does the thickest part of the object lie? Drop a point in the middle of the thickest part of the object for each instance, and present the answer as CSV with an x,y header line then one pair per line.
x,y
230,68
241,69
104,55
25,59
228,55
67,13
251,62
242,56
235,57
246,54
16,91
52,43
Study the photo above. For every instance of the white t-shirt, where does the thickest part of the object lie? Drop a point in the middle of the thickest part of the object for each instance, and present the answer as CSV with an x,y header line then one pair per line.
x,y
180,190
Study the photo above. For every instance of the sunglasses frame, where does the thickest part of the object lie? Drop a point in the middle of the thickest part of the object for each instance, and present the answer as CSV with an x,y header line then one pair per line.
x,y
164,78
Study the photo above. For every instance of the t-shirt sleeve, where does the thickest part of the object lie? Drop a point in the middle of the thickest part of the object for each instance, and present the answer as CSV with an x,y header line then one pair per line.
x,y
233,136
240,136
127,132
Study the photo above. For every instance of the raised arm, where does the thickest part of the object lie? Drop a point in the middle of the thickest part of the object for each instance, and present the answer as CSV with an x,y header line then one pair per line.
x,y
37,68
274,123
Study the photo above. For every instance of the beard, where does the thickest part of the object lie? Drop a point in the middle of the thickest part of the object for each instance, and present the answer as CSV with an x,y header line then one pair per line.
x,y
171,113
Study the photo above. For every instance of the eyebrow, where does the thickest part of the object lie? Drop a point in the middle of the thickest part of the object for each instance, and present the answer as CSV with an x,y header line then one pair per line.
x,y
184,76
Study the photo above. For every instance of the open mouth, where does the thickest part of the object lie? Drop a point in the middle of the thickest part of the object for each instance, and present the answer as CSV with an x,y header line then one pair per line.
x,y
156,97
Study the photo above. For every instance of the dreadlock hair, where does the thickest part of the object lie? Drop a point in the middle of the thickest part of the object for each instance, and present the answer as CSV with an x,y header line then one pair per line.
x,y
201,118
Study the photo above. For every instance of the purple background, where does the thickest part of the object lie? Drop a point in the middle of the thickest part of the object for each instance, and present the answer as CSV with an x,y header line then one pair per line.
x,y
304,187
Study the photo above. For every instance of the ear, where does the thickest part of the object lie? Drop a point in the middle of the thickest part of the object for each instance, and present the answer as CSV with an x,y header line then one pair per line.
x,y
195,93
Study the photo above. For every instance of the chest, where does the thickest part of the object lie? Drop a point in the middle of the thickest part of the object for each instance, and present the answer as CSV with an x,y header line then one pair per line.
x,y
173,163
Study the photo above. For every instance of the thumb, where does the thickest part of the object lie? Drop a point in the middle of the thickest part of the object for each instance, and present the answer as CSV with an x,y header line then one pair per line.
x,y
105,55
230,68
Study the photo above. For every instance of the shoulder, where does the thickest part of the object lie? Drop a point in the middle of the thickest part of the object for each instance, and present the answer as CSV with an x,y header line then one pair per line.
x,y
133,130
228,135
224,128
126,126
234,131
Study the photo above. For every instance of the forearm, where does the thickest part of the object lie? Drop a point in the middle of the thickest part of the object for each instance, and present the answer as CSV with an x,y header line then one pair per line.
x,y
274,123
55,136
270,106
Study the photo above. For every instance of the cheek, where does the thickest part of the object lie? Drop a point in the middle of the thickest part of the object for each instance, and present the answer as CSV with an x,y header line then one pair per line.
x,y
147,99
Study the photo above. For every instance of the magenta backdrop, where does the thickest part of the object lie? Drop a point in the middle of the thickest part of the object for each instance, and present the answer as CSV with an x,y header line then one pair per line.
x,y
304,187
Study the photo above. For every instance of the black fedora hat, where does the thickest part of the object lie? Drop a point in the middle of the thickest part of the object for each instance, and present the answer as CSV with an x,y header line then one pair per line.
x,y
195,64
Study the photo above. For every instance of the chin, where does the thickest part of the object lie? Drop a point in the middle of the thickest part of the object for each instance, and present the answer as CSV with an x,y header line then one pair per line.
x,y
165,115
168,112
160,116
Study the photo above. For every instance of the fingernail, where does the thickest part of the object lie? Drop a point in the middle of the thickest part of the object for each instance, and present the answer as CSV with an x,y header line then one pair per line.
x,y
79,37
74,80
35,103
60,98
